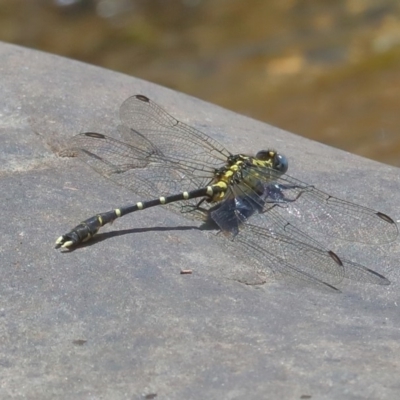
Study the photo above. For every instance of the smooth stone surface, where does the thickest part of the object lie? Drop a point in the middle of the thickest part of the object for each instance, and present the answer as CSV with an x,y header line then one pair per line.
x,y
115,319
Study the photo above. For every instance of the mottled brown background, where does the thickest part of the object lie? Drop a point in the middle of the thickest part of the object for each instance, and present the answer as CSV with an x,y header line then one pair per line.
x,y
328,70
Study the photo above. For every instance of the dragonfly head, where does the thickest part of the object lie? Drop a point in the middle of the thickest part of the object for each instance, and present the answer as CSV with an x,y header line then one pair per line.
x,y
278,161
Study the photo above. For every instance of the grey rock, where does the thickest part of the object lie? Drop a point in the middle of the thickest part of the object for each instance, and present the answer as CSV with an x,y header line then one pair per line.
x,y
115,319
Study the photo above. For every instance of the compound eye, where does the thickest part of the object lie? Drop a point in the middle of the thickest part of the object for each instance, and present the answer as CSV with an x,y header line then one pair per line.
x,y
266,155
281,163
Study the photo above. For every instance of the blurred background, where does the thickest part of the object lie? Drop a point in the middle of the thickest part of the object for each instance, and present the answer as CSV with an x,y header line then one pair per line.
x,y
325,69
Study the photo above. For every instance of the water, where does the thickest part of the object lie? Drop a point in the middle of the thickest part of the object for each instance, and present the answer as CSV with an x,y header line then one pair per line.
x,y
327,70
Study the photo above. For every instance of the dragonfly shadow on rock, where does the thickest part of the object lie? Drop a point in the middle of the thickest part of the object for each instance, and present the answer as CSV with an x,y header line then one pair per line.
x,y
100,237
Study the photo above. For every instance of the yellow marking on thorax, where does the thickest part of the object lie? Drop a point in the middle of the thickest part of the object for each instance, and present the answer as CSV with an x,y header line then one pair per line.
x,y
230,172
224,180
260,163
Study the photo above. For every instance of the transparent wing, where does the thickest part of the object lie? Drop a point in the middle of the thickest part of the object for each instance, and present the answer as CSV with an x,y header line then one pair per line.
x,y
306,254
302,204
141,168
277,244
302,261
311,265
175,139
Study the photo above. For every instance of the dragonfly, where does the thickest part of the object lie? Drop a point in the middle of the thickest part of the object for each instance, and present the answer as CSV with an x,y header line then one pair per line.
x,y
251,199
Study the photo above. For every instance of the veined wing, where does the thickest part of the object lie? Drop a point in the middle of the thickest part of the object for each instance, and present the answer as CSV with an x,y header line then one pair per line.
x,y
141,168
278,244
174,139
303,204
